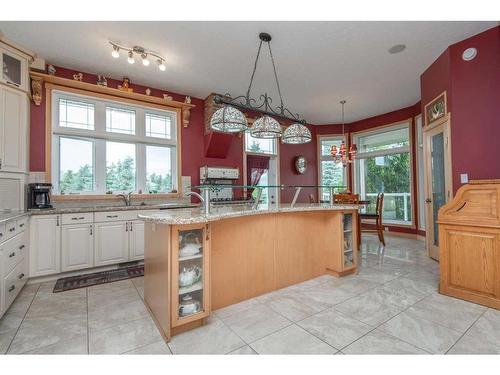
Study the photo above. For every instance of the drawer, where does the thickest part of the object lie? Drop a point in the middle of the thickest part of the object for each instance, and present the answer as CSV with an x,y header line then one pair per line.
x,y
118,215
14,282
78,218
14,250
10,229
22,224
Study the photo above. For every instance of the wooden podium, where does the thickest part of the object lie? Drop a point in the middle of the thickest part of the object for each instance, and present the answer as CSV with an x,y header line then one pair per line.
x,y
469,244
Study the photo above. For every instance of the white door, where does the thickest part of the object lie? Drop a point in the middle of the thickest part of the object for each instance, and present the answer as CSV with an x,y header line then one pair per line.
x,y
437,158
111,243
45,245
77,247
136,239
13,128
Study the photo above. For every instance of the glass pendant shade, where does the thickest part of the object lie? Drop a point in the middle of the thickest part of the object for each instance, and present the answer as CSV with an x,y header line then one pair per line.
x,y
296,134
228,120
266,127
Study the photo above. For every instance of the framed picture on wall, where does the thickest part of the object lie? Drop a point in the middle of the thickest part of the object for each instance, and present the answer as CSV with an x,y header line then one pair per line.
x,y
435,109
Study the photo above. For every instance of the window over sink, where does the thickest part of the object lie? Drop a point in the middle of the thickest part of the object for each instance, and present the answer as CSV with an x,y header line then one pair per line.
x,y
101,146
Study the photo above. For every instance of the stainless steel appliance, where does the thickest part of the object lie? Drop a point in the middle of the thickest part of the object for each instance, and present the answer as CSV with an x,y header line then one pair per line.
x,y
39,195
220,176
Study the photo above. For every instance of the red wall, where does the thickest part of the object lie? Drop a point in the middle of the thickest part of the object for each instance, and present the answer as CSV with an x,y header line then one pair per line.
x,y
473,90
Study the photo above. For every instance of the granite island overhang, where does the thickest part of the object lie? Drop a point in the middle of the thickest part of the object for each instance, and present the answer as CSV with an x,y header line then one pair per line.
x,y
196,263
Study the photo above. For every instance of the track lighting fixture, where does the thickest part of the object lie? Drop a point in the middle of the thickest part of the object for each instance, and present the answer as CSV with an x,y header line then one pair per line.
x,y
137,50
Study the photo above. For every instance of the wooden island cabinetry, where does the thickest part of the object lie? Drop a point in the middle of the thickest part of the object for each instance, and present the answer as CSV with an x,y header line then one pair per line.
x,y
469,243
241,256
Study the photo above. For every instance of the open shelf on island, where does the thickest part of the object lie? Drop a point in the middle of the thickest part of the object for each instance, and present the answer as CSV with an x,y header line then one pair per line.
x,y
192,288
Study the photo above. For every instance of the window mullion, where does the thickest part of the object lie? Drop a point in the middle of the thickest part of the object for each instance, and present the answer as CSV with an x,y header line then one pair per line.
x,y
100,166
141,167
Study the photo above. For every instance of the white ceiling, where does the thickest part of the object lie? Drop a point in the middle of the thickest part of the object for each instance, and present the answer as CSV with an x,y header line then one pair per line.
x,y
318,63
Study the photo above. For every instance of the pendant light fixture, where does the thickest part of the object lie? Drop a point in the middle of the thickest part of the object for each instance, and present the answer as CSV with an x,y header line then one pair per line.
x,y
266,126
340,155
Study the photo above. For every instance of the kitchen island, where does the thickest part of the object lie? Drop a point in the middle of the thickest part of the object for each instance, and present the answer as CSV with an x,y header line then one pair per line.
x,y
197,262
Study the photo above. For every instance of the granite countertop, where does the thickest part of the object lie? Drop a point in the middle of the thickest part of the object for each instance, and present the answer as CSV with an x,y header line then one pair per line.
x,y
72,210
194,216
7,215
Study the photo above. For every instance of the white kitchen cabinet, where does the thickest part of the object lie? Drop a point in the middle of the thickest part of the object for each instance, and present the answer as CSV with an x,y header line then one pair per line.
x,y
111,243
13,129
45,245
136,240
77,246
14,67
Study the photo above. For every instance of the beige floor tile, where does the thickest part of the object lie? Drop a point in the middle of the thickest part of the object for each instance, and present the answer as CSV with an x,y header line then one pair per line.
x,y
124,337
157,348
213,338
77,345
256,322
335,328
244,350
292,340
381,343
5,340
108,315
424,334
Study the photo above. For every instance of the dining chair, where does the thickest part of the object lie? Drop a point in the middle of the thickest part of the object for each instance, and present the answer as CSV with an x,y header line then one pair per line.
x,y
377,216
345,198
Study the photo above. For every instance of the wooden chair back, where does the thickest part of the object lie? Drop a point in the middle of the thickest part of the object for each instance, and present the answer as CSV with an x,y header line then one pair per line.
x,y
346,198
380,204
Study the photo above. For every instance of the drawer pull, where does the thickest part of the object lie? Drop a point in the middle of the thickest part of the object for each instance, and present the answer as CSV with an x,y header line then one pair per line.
x,y
21,276
111,216
78,218
12,287
21,225
11,255
21,247
12,229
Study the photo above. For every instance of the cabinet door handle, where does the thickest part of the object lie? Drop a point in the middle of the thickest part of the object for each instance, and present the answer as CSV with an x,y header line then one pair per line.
x,y
12,255
12,287
78,218
21,247
12,229
57,220
111,216
131,226
21,276
21,225
91,229
126,226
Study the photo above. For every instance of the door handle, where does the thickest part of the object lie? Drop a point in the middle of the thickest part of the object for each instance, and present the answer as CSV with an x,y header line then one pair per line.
x,y
428,200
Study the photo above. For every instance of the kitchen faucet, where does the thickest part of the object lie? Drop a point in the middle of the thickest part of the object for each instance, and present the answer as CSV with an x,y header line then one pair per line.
x,y
205,200
127,198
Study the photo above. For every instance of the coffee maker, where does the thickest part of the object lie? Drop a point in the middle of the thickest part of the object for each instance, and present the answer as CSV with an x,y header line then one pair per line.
x,y
39,195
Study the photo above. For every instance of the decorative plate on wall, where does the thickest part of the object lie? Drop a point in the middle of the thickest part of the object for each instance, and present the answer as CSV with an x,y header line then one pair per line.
x,y
300,164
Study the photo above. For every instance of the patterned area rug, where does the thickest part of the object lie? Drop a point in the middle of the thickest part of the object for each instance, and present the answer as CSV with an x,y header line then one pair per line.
x,y
96,278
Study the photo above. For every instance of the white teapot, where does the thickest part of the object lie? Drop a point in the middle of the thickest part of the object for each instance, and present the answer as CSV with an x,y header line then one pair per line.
x,y
189,306
189,276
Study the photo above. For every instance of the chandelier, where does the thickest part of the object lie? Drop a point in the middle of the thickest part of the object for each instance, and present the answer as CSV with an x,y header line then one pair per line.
x,y
140,51
340,155
230,118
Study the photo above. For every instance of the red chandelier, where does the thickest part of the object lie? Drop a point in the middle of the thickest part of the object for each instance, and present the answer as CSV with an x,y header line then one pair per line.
x,y
341,155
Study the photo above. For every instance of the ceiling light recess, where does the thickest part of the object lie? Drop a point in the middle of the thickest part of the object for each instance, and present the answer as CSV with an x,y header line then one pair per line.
x,y
230,118
397,48
141,52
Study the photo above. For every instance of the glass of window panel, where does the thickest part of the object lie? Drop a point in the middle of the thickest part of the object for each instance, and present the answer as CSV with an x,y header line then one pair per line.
x,y
76,165
385,140
326,146
259,145
158,169
332,174
120,166
158,126
76,114
119,120
389,174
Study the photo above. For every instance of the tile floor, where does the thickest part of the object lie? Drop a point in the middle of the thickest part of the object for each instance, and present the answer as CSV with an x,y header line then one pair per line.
x,y
391,307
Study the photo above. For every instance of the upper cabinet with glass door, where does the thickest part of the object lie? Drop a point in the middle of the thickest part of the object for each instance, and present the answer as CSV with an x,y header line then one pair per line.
x,y
14,67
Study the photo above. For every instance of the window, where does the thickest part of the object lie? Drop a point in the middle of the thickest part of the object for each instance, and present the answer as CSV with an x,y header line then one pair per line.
x,y
76,175
420,168
158,126
104,147
76,114
330,172
383,164
120,120
259,145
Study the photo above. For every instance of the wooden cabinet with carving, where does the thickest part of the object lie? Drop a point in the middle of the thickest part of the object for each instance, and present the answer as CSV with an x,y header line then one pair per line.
x,y
190,273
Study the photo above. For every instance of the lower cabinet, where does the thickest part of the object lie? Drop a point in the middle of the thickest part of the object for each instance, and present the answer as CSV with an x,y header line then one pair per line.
x,y
45,245
111,243
77,243
136,240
